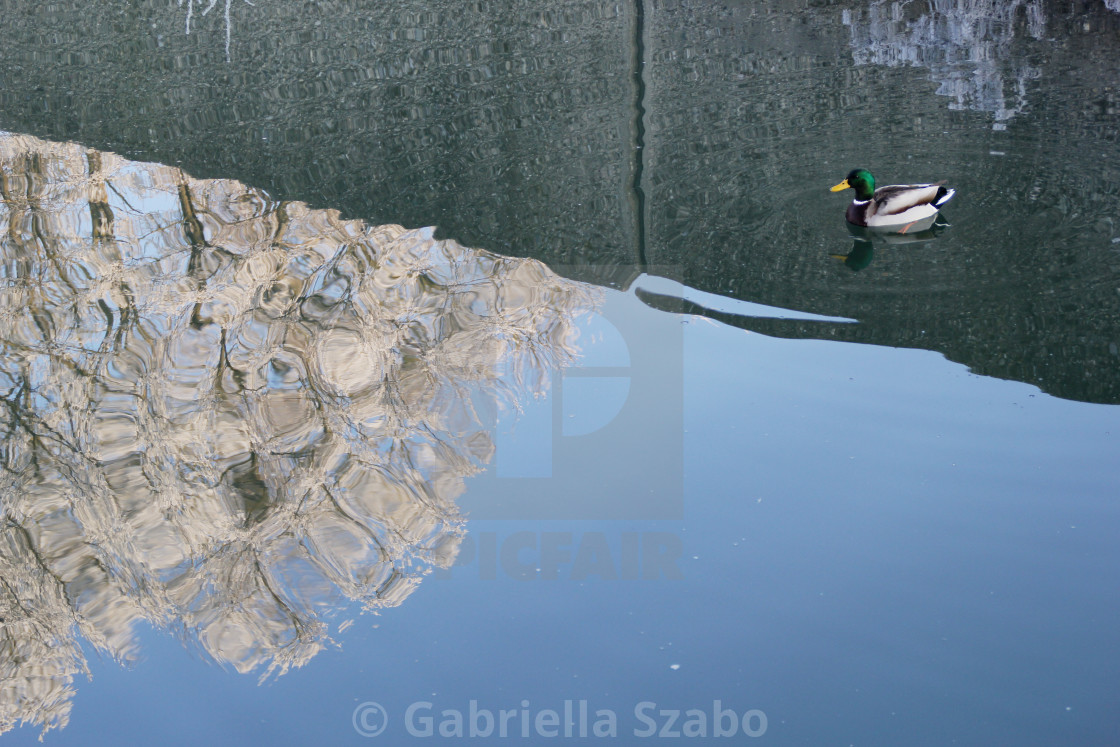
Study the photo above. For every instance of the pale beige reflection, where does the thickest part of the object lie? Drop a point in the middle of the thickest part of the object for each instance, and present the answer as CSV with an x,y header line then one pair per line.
x,y
232,417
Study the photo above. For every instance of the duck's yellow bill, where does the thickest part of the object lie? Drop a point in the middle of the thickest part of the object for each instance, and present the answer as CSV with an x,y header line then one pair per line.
x,y
842,185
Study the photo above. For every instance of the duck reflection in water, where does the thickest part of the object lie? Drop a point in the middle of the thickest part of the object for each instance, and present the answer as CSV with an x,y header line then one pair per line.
x,y
864,240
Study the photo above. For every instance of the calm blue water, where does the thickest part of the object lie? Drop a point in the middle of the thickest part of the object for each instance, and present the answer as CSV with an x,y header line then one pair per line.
x,y
876,547
267,465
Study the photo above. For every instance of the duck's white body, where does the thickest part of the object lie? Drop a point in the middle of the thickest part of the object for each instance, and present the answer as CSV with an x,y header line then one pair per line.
x,y
907,207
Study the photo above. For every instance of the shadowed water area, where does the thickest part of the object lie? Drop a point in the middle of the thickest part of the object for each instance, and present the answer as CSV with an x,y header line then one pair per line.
x,y
517,353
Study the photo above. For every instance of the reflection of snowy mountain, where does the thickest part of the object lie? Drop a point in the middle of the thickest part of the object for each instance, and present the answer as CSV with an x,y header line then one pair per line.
x,y
965,44
230,417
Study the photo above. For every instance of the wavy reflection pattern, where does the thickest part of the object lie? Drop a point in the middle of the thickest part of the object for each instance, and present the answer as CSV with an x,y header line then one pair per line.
x,y
963,43
229,416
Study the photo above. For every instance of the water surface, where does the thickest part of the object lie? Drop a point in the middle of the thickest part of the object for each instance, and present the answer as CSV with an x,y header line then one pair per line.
x,y
667,434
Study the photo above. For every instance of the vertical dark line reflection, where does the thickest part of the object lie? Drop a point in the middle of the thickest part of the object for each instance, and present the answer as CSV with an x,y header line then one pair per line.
x,y
639,131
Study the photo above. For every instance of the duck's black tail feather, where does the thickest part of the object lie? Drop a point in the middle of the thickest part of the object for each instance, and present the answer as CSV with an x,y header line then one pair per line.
x,y
944,194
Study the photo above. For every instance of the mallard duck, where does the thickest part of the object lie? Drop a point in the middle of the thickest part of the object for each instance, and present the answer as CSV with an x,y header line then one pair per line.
x,y
898,208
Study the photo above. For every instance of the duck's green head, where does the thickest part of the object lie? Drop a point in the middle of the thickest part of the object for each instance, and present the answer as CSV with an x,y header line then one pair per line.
x,y
861,181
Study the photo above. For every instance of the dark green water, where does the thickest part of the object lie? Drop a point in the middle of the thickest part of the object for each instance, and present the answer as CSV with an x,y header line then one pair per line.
x,y
708,448
513,126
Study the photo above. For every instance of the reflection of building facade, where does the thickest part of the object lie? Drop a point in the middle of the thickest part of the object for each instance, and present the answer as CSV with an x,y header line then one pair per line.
x,y
224,415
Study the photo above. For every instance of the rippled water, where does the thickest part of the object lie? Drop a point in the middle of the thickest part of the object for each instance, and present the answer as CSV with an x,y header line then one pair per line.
x,y
244,406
